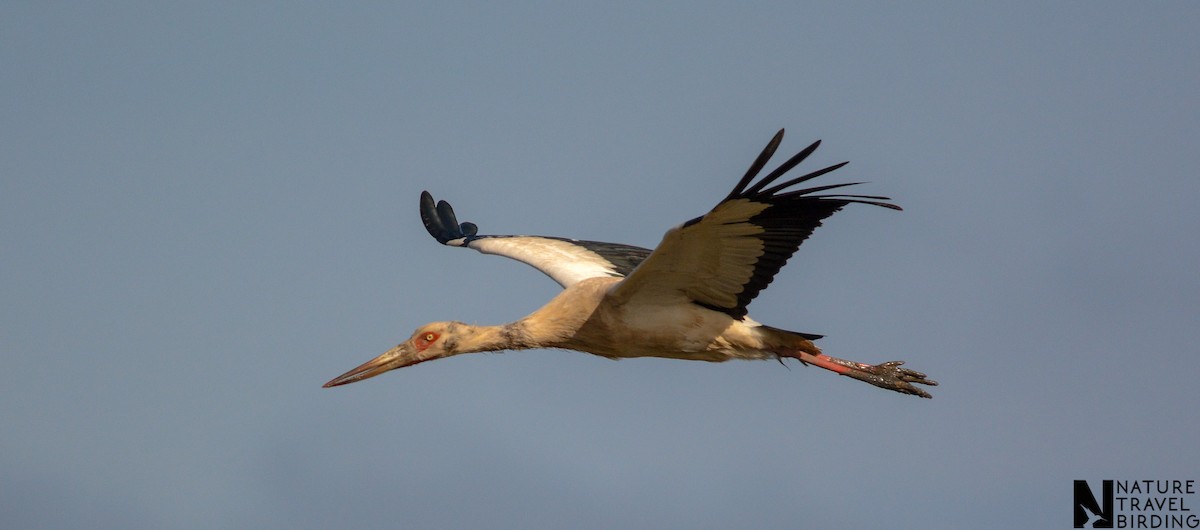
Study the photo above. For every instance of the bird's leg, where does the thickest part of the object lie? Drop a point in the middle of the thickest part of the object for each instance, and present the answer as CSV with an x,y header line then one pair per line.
x,y
887,375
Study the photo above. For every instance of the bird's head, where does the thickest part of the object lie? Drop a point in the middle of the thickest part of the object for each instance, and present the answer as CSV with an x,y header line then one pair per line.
x,y
431,341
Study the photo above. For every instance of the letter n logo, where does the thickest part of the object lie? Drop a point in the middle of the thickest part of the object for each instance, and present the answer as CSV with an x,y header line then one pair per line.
x,y
1088,512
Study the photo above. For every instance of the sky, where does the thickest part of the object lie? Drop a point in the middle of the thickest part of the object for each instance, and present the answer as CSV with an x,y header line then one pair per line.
x,y
207,210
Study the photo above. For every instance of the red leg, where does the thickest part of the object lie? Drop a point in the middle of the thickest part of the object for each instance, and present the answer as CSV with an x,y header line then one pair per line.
x,y
887,375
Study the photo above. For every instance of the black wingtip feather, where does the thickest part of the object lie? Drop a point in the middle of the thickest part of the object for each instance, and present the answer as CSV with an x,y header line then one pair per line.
x,y
743,189
441,222
758,164
803,178
446,214
787,166
429,216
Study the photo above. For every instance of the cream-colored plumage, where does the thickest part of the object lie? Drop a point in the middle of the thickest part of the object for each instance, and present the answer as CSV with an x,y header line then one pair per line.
x,y
586,317
685,300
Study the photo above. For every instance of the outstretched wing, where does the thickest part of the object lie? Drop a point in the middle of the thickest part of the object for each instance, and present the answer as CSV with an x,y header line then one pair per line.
x,y
567,261
722,259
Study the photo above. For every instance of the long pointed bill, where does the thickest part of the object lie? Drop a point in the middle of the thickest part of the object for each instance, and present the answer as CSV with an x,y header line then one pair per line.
x,y
397,357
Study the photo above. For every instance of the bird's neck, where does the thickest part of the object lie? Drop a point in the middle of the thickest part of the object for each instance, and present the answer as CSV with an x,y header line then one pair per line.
x,y
552,326
512,336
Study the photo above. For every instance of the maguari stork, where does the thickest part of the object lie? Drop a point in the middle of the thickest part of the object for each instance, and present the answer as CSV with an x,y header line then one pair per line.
x,y
686,299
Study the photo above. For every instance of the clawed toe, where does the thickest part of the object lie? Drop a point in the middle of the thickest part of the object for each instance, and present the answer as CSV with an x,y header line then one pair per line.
x,y
891,376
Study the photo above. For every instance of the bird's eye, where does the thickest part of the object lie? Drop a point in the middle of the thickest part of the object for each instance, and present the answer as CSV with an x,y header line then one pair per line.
x,y
430,337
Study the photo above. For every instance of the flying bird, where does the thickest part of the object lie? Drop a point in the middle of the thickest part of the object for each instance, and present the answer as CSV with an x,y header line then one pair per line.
x,y
686,299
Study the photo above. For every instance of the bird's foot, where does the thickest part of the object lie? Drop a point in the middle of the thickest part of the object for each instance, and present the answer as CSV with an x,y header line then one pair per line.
x,y
887,375
891,376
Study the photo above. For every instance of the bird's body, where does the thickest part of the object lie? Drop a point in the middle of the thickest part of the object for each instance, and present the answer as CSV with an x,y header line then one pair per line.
x,y
586,317
685,300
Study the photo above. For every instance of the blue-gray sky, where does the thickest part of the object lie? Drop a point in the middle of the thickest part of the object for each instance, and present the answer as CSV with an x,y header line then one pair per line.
x,y
208,210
